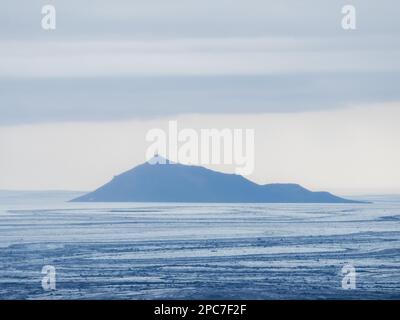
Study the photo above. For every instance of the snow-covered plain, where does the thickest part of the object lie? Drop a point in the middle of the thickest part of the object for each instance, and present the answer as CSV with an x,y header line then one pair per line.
x,y
196,251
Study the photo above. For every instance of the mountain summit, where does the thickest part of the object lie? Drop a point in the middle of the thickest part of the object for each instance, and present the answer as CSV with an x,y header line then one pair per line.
x,y
173,182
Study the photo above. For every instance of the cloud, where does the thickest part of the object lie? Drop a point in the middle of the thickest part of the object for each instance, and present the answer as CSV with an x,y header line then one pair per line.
x,y
134,59
191,18
102,99
194,57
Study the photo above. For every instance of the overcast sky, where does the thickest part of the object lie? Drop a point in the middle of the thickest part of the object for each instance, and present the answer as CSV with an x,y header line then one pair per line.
x,y
146,62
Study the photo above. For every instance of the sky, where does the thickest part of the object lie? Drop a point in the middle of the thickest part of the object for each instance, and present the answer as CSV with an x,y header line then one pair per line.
x,y
76,102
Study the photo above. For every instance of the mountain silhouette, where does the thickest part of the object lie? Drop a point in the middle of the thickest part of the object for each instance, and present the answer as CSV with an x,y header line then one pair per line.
x,y
172,182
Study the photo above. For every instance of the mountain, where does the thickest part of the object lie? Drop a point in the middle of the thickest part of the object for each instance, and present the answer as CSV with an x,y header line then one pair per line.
x,y
171,182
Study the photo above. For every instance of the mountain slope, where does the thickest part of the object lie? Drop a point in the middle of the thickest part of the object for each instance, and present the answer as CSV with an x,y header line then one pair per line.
x,y
181,183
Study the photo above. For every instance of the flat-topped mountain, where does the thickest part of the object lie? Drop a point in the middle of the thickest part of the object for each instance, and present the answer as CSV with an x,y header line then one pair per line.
x,y
171,182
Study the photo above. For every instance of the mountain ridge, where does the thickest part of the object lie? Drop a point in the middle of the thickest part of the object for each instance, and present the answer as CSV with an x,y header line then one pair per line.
x,y
175,182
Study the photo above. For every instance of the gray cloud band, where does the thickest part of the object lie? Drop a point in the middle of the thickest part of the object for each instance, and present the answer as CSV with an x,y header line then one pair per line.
x,y
100,99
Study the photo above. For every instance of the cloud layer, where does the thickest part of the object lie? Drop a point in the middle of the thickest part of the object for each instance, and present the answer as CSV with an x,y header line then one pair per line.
x,y
113,60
